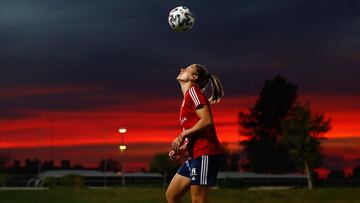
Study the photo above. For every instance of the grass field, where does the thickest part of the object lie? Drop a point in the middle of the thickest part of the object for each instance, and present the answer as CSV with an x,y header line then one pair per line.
x,y
156,195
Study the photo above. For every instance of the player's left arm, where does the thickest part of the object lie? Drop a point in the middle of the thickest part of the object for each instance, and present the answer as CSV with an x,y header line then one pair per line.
x,y
205,120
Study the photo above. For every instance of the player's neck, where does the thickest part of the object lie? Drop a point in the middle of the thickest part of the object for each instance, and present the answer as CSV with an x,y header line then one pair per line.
x,y
185,87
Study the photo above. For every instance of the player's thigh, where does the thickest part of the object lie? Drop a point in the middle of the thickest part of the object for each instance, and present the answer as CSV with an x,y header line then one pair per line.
x,y
199,193
178,186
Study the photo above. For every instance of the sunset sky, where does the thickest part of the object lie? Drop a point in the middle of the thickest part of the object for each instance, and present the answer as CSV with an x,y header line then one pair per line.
x,y
77,71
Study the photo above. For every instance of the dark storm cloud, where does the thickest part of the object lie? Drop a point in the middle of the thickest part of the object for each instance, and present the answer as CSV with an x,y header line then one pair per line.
x,y
22,104
127,46
64,101
338,162
12,113
344,140
334,161
306,41
16,107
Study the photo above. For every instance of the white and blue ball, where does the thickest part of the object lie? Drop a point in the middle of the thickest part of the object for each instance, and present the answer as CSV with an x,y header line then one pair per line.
x,y
181,19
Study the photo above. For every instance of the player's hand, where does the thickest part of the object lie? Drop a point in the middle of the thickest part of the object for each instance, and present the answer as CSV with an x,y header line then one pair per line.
x,y
176,144
172,155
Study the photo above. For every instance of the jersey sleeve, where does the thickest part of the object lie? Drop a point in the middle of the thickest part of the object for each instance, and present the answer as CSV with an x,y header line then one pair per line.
x,y
198,98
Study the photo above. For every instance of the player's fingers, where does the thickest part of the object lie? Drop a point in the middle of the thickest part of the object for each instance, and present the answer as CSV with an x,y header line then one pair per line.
x,y
176,146
174,143
171,153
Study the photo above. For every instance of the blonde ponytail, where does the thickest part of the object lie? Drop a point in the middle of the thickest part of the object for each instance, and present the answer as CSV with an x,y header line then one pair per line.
x,y
204,77
217,89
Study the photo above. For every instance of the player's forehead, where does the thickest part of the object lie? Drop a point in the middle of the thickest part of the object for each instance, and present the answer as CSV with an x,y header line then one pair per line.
x,y
192,68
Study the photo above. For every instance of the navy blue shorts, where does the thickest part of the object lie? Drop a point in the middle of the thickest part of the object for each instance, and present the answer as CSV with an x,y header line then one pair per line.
x,y
202,170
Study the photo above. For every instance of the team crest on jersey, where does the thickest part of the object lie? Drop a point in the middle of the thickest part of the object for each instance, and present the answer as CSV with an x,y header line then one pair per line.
x,y
193,171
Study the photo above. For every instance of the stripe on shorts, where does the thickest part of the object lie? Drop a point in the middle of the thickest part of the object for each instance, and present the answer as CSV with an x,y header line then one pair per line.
x,y
204,170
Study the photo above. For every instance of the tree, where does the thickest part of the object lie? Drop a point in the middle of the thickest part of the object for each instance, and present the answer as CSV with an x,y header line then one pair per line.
x,y
303,133
109,165
356,173
233,161
230,161
262,128
336,175
161,163
4,160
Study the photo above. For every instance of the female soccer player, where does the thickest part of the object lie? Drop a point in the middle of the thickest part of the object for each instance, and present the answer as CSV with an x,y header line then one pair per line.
x,y
198,137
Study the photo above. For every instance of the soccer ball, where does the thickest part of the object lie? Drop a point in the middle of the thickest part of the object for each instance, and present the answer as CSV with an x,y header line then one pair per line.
x,y
181,19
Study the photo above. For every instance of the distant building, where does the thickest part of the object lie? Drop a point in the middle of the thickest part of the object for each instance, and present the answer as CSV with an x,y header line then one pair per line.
x,y
48,165
65,164
32,166
17,164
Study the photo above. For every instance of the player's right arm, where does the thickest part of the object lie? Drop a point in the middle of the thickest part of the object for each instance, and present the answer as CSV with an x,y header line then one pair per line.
x,y
175,155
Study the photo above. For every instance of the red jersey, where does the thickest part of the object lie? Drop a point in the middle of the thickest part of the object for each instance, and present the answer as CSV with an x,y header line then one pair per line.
x,y
204,142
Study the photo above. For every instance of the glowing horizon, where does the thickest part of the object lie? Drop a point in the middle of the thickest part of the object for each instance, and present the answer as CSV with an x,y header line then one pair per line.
x,y
99,127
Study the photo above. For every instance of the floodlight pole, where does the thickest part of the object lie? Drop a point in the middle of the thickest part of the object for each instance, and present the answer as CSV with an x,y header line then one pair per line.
x,y
105,160
122,148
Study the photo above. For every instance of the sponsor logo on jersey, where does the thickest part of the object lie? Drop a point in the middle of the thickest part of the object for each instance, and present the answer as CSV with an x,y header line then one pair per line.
x,y
183,120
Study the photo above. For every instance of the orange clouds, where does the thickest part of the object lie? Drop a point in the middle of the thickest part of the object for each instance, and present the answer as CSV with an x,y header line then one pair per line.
x,y
344,110
156,121
145,124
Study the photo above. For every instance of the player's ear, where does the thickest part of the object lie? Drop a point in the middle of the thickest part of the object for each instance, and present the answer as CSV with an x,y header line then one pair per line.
x,y
194,77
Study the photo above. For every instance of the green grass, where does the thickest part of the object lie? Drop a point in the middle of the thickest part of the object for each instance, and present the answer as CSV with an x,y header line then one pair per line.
x,y
156,195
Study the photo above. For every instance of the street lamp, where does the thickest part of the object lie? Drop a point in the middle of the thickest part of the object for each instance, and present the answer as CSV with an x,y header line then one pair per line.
x,y
122,148
122,130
